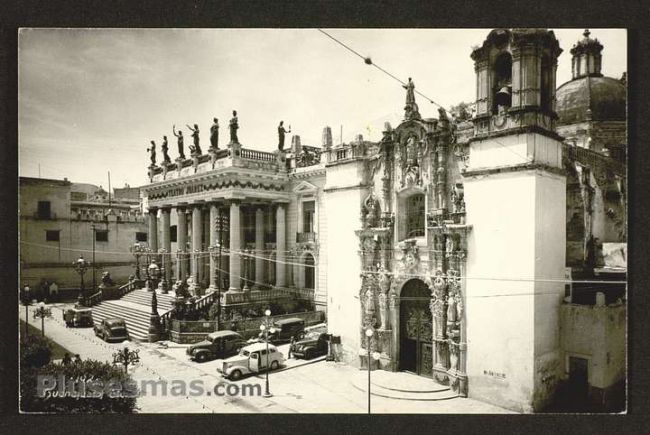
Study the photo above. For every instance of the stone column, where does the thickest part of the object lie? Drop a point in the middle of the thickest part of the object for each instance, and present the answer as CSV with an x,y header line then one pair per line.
x,y
214,241
259,247
153,229
181,244
197,233
167,246
235,247
281,246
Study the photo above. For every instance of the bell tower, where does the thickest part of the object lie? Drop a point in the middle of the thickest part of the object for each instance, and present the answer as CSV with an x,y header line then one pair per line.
x,y
515,198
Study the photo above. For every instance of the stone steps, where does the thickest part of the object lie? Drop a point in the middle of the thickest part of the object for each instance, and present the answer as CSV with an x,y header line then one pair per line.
x,y
143,297
135,309
402,386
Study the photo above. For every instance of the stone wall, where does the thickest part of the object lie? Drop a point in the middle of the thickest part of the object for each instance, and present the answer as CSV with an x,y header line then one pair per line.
x,y
598,334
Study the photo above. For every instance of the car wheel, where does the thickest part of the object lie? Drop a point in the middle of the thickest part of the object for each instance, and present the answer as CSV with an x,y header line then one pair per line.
x,y
202,357
235,375
274,365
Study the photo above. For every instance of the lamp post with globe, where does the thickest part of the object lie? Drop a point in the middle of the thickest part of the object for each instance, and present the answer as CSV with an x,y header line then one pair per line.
x,y
370,333
267,328
81,266
137,250
42,312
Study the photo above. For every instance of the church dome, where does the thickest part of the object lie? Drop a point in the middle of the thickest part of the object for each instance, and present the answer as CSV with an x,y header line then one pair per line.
x,y
590,95
591,98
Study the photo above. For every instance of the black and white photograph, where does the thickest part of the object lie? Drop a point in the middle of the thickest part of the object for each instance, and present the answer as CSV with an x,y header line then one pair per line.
x,y
322,220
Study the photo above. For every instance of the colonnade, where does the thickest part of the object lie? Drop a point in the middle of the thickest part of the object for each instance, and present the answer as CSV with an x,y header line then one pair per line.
x,y
197,251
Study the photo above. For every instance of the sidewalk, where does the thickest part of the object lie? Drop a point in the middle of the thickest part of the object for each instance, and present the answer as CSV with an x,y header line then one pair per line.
x,y
301,387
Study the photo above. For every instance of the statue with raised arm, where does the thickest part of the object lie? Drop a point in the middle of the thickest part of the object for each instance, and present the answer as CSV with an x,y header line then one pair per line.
x,y
179,135
214,135
234,126
281,133
152,153
165,148
195,135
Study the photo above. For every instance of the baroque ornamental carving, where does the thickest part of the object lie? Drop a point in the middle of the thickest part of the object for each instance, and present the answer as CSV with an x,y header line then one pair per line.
x,y
370,212
410,256
438,297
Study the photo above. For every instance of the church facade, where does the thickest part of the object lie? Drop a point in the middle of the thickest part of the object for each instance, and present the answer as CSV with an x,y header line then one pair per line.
x,y
440,250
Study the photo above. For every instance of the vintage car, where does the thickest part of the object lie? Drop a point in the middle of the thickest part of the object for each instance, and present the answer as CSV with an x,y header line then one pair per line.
x,y
251,359
314,344
220,344
78,316
285,329
112,329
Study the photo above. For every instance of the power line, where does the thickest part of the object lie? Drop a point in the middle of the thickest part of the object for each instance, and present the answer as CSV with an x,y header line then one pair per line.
x,y
368,61
226,252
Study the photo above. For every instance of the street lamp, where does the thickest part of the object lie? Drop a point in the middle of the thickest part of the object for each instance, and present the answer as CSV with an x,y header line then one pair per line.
x,y
42,311
215,251
153,274
26,300
267,328
126,357
81,266
370,332
137,250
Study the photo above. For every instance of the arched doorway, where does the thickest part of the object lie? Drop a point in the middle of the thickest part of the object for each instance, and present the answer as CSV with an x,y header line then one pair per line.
x,y
415,348
310,275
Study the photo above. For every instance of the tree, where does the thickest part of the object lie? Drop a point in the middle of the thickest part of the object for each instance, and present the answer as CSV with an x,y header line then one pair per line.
x,y
114,391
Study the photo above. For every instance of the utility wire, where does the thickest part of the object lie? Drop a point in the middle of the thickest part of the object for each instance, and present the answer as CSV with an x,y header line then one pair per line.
x,y
225,251
368,61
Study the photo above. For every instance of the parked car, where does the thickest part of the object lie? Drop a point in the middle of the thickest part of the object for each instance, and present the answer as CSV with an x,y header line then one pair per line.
x,y
251,359
220,344
285,329
313,345
112,329
78,316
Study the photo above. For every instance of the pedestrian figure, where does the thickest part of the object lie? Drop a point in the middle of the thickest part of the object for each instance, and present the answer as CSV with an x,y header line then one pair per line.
x,y
214,135
66,359
179,135
281,133
77,358
293,340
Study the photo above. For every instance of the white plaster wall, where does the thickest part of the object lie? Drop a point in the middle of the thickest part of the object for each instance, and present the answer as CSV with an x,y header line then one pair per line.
x,y
515,149
550,261
517,239
342,259
594,332
500,313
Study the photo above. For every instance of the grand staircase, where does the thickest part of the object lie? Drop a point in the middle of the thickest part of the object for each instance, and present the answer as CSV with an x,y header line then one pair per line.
x,y
135,308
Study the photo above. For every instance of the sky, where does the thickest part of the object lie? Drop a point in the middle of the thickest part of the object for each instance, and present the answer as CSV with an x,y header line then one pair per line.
x,y
91,100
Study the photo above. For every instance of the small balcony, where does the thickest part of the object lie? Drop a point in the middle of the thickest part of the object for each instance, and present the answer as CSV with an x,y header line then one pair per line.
x,y
41,215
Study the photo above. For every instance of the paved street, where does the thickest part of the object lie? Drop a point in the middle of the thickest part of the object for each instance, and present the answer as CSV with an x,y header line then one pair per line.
x,y
300,387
